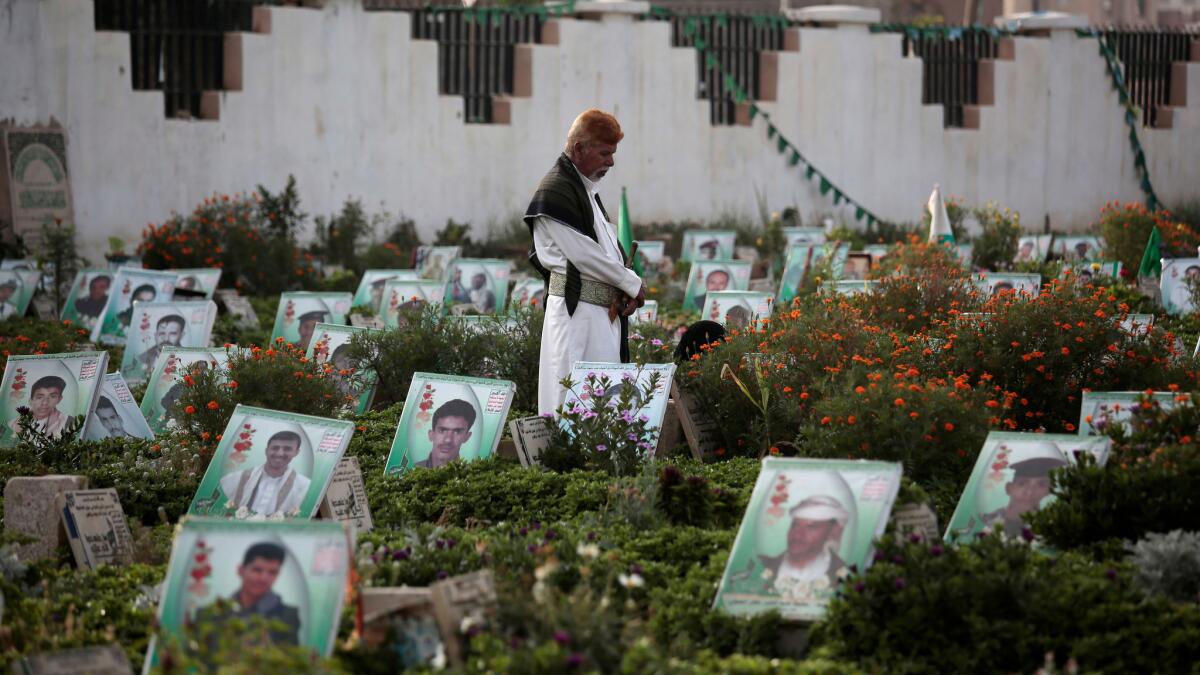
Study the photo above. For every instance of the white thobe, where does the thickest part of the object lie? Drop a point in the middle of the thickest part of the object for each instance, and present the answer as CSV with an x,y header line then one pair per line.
x,y
589,335
268,490
817,568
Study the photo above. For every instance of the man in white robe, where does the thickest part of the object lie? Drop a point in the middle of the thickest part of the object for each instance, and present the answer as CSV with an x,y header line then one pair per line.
x,y
274,487
813,539
591,292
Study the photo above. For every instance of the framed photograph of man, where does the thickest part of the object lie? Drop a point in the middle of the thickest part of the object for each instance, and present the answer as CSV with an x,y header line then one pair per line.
x,y
1014,284
652,253
1100,410
614,379
1012,477
401,297
166,383
877,252
1179,283
87,297
701,245
857,266
293,573
58,389
1033,248
1137,325
433,262
129,285
482,283
646,314
197,280
804,259
808,522
448,418
16,291
371,288
1075,247
300,312
332,346
116,414
798,236
737,309
527,293
708,277
157,325
271,463
1093,271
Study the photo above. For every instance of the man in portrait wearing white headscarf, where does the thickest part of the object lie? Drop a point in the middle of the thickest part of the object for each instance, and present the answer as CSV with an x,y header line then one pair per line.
x,y
813,539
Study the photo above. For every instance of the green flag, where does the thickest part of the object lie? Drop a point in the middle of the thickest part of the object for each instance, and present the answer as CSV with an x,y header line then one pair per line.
x,y
625,233
1152,259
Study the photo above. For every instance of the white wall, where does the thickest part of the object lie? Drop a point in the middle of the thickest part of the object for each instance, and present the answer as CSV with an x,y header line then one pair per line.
x,y
348,102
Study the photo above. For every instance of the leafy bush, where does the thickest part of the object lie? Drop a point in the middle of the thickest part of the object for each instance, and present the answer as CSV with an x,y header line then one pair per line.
x,y
279,377
1000,606
602,430
1168,565
19,335
1126,230
252,238
996,246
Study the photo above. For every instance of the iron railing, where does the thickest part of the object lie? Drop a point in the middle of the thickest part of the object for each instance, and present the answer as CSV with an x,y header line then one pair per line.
x,y
951,68
737,42
177,47
1146,56
475,54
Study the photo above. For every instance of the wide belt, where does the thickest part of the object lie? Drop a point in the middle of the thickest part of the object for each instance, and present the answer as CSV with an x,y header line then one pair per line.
x,y
591,292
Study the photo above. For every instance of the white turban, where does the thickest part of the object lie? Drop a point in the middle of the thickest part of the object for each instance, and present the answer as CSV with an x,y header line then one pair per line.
x,y
820,508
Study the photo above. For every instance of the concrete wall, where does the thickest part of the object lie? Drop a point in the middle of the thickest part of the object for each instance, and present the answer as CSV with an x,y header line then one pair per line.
x,y
348,102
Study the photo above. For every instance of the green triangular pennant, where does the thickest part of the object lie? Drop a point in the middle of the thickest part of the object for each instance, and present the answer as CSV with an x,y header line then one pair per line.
x,y
859,213
689,27
794,159
837,197
783,144
753,111
770,131
826,186
810,172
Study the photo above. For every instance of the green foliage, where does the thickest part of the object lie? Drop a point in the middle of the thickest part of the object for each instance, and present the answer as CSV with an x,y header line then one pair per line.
x,y
59,254
602,430
237,647
1168,565
1000,606
27,335
428,344
338,237
996,246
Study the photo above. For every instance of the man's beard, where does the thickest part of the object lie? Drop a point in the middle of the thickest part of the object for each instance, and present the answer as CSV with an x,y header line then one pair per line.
x,y
595,177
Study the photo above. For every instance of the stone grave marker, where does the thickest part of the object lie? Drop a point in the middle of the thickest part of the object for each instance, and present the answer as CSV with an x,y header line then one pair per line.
x,y
371,321
96,527
103,660
917,519
530,435
702,432
243,312
34,180
402,618
467,596
346,498
30,507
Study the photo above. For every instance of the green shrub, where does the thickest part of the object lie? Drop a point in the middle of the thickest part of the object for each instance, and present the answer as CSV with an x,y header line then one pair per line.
x,y
20,335
1168,565
1126,230
602,430
996,246
1000,606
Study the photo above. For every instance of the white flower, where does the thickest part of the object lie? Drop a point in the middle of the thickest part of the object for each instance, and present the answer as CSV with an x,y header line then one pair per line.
x,y
539,592
469,621
587,551
230,504
767,574
278,515
631,581
242,513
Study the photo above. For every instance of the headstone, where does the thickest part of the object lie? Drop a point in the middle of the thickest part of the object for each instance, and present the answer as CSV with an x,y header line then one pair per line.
x,y
467,596
531,435
402,620
34,181
766,285
96,527
104,660
241,309
30,508
346,498
746,253
703,434
373,321
917,519
671,432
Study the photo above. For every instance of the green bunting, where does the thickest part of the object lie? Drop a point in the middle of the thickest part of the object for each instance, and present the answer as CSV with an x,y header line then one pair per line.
x,y
794,159
1115,72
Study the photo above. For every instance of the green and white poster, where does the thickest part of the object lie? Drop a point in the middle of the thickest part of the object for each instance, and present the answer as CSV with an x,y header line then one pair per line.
x,y
401,296
271,463
448,418
1100,410
293,573
995,284
58,390
701,245
612,379
300,312
129,286
1012,477
331,346
808,522
737,309
433,262
371,286
804,260
157,325
16,291
197,280
481,284
168,380
709,277
87,298
117,414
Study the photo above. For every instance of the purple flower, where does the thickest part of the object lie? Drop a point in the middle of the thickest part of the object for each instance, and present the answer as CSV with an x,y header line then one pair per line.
x,y
23,410
599,391
627,417
601,448
473,630
936,550
643,418
450,543
531,548
1027,534
439,544
1111,573
860,587
442,574
636,569
900,583
535,525
551,535
514,642
523,531
656,342
879,556
898,559
914,538
587,415
401,554
574,660
562,637
591,536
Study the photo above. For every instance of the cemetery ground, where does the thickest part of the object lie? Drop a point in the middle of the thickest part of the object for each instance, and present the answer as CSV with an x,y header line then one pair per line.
x,y
606,565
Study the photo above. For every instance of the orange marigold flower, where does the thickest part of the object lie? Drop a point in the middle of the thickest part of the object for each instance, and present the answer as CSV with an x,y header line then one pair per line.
x,y
948,426
851,419
826,419
859,390
899,402
191,410
212,405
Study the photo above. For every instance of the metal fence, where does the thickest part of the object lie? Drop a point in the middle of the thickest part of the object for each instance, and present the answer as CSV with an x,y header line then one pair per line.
x,y
177,47
737,42
1146,56
951,68
475,54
